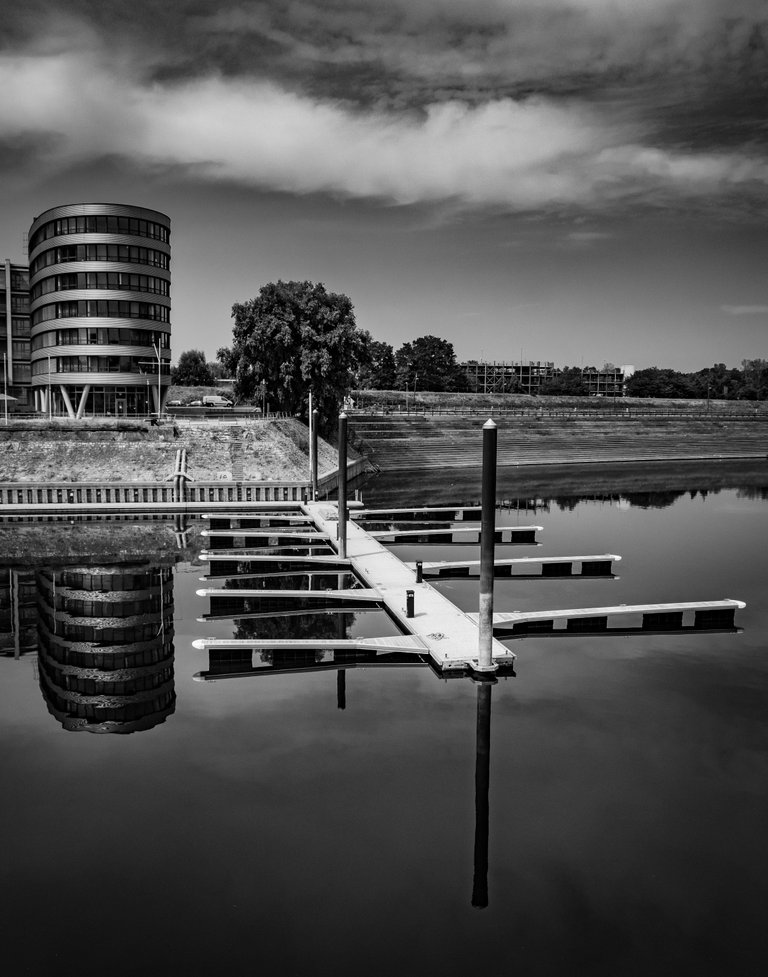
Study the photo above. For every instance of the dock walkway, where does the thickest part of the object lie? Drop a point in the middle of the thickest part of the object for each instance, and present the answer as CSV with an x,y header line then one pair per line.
x,y
448,635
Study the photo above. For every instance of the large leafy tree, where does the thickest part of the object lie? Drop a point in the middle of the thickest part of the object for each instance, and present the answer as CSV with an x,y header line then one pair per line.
x,y
655,382
379,372
292,338
429,363
567,382
192,370
754,379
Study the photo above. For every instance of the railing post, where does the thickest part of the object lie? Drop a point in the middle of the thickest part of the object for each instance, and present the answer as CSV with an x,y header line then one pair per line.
x,y
487,549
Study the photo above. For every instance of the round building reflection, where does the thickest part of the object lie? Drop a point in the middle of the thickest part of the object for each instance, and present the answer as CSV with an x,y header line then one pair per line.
x,y
105,641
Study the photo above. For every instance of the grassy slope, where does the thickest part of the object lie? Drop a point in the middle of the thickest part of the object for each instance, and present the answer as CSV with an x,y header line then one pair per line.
x,y
88,451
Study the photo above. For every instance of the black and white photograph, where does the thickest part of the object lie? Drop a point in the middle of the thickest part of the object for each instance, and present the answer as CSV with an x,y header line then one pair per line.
x,y
384,487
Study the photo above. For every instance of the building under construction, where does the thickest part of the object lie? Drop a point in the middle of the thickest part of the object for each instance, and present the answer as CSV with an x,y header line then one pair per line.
x,y
528,377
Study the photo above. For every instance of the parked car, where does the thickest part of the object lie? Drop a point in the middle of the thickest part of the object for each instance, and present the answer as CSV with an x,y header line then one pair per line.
x,y
216,402
173,403
195,403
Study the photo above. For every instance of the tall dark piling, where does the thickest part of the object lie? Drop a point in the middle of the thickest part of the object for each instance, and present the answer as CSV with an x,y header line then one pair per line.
x,y
482,784
343,485
313,449
487,548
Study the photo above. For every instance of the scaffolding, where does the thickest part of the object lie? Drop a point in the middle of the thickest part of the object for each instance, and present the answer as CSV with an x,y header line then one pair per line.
x,y
528,377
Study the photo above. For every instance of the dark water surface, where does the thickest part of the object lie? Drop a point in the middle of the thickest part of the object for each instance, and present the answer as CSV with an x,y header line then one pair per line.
x,y
253,826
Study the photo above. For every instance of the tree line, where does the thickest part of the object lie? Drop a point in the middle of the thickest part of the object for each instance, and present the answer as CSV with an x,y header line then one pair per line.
x,y
717,382
296,337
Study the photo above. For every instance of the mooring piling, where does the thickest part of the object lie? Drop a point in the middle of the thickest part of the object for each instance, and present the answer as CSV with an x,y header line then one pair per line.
x,y
487,549
313,445
342,485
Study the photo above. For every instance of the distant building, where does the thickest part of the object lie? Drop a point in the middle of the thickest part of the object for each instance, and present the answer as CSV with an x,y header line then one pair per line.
x,y
99,278
14,332
528,377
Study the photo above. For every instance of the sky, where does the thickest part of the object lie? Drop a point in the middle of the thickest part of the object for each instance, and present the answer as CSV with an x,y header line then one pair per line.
x,y
581,181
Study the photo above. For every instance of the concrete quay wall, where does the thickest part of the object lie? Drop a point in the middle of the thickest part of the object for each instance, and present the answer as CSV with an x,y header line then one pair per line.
x,y
403,442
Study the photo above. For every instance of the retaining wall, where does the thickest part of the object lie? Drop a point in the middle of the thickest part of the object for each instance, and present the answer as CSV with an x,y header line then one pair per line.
x,y
408,442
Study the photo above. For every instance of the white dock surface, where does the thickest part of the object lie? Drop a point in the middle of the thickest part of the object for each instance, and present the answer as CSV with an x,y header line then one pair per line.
x,y
449,635
616,610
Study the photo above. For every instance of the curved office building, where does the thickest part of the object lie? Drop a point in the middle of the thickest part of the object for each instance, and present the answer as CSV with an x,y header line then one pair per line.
x,y
99,277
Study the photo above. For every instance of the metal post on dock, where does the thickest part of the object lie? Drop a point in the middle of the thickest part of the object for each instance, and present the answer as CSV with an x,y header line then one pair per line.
x,y
343,485
313,473
482,785
310,420
487,547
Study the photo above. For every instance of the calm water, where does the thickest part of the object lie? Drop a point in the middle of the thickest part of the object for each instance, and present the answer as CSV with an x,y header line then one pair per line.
x,y
252,825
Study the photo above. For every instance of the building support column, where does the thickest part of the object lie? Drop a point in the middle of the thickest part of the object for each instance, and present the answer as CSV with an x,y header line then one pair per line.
x,y
83,400
67,401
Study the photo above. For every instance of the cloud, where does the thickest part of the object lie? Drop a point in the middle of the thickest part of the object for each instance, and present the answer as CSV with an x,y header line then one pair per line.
x,y
745,309
517,153
586,237
497,41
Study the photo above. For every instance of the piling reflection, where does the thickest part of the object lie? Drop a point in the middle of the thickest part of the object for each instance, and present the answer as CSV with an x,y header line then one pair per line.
x,y
105,641
482,787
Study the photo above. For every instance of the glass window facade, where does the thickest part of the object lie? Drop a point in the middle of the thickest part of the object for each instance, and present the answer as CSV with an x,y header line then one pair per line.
x,y
99,248
99,224
122,253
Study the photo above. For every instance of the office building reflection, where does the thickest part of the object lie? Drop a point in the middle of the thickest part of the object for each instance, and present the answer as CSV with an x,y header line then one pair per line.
x,y
18,612
105,639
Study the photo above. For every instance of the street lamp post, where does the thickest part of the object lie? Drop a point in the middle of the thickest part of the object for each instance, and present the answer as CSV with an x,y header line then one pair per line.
x,y
49,387
156,348
5,388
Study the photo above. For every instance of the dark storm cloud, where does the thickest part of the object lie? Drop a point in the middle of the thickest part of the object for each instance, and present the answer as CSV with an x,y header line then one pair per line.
x,y
518,103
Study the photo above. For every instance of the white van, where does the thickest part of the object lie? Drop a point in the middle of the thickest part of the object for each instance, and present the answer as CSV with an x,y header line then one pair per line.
x,y
216,402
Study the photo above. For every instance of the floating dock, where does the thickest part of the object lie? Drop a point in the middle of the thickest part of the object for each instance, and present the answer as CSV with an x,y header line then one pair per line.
x,y
600,565
447,634
710,615
435,630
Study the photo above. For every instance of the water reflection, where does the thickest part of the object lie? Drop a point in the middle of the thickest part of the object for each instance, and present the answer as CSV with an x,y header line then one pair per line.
x,y
105,643
18,612
482,788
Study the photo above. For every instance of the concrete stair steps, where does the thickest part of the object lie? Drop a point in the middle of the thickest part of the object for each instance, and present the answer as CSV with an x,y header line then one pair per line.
x,y
237,455
408,442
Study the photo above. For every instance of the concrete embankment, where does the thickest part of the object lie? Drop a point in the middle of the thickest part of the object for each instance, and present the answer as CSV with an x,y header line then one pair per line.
x,y
452,441
85,451
125,461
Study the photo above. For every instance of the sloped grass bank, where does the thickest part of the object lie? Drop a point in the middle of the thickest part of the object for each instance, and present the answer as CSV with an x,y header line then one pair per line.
x,y
118,450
